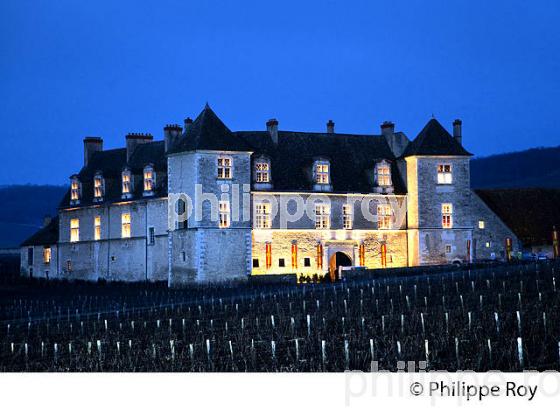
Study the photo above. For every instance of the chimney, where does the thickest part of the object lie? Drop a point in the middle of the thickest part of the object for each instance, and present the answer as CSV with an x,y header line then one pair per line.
x,y
188,123
46,220
458,131
330,127
272,128
170,134
135,139
387,128
91,145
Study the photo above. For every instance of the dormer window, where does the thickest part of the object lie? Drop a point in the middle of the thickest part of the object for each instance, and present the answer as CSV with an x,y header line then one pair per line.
x,y
126,184
383,174
98,187
224,167
322,172
75,191
262,170
444,175
149,180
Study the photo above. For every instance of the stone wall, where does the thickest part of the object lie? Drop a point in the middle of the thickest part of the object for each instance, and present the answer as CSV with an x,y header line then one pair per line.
x,y
333,241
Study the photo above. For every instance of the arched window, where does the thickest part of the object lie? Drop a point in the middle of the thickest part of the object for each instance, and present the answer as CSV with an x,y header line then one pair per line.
x,y
98,187
149,180
126,184
75,190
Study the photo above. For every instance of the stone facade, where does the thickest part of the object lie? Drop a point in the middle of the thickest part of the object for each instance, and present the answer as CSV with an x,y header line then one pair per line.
x,y
175,232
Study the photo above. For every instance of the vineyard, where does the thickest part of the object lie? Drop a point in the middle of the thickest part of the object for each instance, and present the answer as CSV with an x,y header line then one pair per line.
x,y
501,317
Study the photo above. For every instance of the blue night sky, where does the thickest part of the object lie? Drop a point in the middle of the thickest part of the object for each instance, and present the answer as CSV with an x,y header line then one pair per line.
x,y
70,69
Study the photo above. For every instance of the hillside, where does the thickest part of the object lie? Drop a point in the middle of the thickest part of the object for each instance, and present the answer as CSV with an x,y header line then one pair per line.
x,y
533,168
23,210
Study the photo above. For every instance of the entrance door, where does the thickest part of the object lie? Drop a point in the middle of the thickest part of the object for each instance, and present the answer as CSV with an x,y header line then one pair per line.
x,y
338,259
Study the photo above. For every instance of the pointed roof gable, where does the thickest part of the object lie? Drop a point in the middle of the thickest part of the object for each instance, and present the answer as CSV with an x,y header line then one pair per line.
x,y
208,132
434,140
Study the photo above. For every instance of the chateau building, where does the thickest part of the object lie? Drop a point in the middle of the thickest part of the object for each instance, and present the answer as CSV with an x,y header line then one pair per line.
x,y
210,204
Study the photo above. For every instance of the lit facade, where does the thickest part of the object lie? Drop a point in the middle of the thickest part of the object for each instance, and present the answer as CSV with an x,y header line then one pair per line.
x,y
146,211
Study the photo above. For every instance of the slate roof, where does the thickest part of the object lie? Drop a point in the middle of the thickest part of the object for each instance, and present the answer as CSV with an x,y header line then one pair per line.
x,y
112,162
208,132
352,158
434,140
530,213
48,235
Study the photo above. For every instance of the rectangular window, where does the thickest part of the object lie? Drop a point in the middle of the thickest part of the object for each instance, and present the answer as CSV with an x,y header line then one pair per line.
x,y
481,224
47,255
75,190
487,244
29,256
307,262
74,230
262,169
448,249
322,172
224,214
148,180
262,216
255,263
69,265
384,214
126,183
125,225
383,175
347,216
444,174
98,187
97,228
224,167
447,216
151,235
322,216
281,263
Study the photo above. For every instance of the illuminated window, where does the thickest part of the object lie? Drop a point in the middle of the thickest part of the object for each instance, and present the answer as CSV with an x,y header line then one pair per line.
x,y
322,216
149,180
487,244
262,216
75,190
126,183
444,175
224,167
481,224
98,187
347,219
224,214
447,216
74,230
262,170
384,213
97,228
322,173
47,255
125,225
383,174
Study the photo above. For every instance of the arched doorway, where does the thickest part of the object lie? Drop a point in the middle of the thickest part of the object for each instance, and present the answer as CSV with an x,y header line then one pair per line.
x,y
338,259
